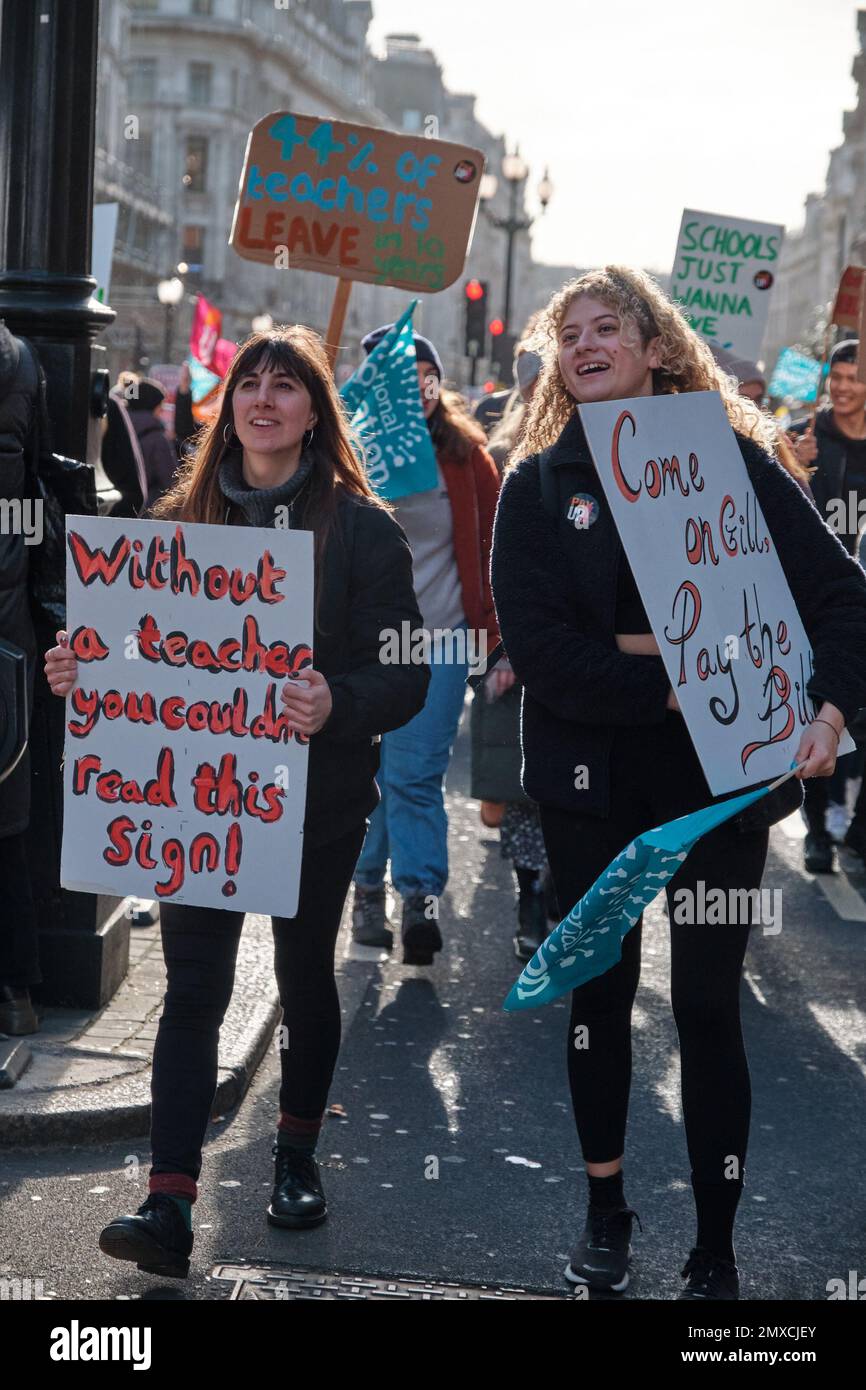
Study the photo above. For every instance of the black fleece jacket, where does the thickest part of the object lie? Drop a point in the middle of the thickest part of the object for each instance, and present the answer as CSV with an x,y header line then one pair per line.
x,y
365,586
555,594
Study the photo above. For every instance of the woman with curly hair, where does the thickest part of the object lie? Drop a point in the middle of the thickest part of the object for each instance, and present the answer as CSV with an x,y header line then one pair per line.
x,y
597,695
450,530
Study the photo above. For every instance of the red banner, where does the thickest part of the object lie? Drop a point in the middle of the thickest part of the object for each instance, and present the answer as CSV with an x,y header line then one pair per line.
x,y
206,328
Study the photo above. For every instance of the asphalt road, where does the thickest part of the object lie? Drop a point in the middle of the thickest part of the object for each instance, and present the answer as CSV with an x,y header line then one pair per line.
x,y
457,1157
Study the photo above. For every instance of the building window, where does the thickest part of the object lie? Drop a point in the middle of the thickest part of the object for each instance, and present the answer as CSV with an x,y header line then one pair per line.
x,y
193,250
139,153
202,6
144,4
195,178
142,80
412,120
200,84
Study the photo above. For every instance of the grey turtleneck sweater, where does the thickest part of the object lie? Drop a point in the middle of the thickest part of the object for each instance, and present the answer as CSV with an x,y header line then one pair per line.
x,y
256,506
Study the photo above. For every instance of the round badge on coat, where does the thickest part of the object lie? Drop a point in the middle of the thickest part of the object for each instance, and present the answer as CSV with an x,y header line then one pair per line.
x,y
582,510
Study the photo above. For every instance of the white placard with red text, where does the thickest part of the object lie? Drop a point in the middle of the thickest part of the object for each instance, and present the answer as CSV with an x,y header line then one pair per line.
x,y
710,579
182,779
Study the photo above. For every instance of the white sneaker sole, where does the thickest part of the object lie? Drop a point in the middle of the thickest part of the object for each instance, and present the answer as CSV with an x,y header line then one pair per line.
x,y
609,1288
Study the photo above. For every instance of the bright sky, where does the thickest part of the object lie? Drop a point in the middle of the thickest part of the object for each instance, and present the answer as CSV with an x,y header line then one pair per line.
x,y
643,107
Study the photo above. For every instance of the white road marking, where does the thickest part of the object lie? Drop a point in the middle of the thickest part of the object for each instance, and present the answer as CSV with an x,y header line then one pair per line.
x,y
842,896
759,995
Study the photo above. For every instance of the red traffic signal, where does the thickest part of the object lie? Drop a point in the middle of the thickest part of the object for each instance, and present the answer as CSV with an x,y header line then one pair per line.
x,y
474,290
496,327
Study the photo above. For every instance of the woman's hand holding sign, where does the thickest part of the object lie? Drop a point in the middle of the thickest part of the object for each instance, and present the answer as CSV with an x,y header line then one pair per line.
x,y
307,700
817,750
61,667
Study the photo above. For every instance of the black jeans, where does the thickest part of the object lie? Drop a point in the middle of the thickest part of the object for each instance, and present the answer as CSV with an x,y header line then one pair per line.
x,y
655,777
819,791
19,936
200,946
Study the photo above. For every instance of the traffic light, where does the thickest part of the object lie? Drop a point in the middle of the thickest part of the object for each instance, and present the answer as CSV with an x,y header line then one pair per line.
x,y
496,327
475,299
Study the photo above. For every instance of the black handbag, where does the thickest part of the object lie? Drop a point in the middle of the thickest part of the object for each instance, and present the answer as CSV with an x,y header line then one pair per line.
x,y
781,802
60,487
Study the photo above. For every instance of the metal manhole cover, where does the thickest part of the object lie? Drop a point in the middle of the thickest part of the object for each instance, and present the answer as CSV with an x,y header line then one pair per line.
x,y
283,1282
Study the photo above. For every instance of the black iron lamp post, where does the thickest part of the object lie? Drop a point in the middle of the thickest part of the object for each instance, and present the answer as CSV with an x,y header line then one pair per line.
x,y
515,172
47,124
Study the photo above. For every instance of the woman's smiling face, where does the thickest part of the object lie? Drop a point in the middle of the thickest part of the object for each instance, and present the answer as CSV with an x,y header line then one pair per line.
x,y
272,410
595,363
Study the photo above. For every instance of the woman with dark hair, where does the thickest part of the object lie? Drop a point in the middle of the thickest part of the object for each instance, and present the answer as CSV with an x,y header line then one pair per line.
x,y
279,449
596,693
449,529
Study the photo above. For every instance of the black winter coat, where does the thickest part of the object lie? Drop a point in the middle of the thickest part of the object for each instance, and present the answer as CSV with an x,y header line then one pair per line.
x,y
827,483
555,593
365,585
160,459
18,395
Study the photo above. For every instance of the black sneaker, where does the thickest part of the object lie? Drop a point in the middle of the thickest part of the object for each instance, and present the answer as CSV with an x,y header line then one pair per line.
x,y
156,1238
369,920
600,1258
709,1277
421,934
298,1199
531,923
855,837
819,853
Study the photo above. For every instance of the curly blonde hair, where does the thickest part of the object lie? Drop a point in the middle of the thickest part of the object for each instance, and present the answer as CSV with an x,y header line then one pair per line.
x,y
645,312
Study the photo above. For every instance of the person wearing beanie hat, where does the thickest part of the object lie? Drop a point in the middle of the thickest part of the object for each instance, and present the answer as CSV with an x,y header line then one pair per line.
x,y
750,379
449,529
833,442
143,399
424,349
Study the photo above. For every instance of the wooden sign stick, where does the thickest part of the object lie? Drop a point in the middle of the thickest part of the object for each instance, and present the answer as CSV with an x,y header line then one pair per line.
x,y
337,319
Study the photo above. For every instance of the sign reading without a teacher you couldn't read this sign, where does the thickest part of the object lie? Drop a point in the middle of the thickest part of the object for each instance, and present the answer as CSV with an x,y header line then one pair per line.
x,y
724,271
183,780
356,201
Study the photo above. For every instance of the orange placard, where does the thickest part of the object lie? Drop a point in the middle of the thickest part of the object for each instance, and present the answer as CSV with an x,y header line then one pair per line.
x,y
846,307
356,201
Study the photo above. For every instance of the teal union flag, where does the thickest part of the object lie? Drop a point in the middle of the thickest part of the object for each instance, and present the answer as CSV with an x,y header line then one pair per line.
x,y
383,401
589,940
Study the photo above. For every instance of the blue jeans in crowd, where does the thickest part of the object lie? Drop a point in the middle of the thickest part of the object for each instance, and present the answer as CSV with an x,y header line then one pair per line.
x,y
409,826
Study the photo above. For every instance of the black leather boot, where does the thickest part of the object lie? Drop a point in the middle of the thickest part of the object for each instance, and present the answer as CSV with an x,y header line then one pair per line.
x,y
156,1238
420,932
532,925
298,1199
17,1014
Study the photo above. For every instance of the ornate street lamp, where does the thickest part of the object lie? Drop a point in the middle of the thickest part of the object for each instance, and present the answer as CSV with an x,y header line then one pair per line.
x,y
169,293
515,171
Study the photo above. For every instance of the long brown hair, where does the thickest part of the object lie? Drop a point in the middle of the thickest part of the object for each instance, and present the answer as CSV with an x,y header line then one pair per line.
x,y
452,429
338,458
645,312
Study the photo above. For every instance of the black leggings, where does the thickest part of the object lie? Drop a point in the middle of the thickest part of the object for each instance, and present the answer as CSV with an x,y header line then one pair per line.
x,y
655,776
200,946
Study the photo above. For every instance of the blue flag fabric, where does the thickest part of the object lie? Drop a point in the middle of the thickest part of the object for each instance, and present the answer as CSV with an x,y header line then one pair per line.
x,y
384,404
589,940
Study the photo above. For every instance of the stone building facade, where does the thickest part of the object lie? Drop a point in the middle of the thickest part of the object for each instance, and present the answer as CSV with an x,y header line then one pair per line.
x,y
833,234
182,82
